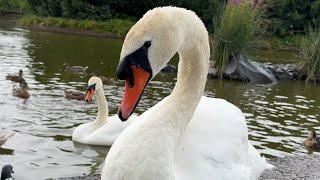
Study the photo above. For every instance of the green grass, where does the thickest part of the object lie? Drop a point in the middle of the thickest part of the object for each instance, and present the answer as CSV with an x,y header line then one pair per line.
x,y
234,32
283,43
309,53
117,26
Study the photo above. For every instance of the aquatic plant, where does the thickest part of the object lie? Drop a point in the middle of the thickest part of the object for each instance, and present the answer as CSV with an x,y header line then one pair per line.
x,y
234,32
309,53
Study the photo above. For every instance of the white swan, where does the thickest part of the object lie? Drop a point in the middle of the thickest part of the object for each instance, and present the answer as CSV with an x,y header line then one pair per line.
x,y
185,136
104,130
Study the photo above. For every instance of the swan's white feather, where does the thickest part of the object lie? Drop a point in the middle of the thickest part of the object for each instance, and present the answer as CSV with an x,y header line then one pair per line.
x,y
215,144
104,135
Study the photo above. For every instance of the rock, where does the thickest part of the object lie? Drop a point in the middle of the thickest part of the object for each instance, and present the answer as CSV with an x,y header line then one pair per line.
x,y
284,71
169,69
241,68
212,72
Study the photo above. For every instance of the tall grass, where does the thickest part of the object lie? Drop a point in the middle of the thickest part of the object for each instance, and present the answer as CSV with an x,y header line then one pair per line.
x,y
309,52
117,26
234,32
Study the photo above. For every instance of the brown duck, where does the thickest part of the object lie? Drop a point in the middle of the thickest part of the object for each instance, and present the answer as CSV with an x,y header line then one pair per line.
x,y
313,141
74,95
21,91
16,78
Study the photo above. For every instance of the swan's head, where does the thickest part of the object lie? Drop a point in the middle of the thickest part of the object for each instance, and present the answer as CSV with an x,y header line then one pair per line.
x,y
94,84
147,48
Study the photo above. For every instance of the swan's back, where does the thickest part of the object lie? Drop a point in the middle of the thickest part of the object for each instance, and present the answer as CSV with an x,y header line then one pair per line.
x,y
215,144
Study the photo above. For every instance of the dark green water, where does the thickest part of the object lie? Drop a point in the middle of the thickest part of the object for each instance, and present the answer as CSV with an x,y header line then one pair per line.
x,y
278,116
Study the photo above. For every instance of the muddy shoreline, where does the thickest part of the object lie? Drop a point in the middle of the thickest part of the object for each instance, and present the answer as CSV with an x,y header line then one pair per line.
x,y
71,31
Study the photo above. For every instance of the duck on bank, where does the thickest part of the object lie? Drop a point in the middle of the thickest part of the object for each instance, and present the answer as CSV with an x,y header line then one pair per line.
x,y
313,140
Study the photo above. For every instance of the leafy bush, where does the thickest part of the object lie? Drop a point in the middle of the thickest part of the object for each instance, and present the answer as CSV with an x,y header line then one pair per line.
x,y
234,32
76,9
103,10
9,5
309,52
288,17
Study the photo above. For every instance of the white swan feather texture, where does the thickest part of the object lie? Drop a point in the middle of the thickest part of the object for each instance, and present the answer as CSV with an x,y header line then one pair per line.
x,y
186,136
104,130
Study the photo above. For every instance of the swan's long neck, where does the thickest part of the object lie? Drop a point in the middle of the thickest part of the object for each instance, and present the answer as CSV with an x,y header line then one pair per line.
x,y
191,79
102,108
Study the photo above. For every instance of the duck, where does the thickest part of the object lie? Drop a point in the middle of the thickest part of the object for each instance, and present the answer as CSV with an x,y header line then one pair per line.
x,y
4,137
76,69
105,80
6,172
186,136
104,130
16,78
69,94
22,91
312,141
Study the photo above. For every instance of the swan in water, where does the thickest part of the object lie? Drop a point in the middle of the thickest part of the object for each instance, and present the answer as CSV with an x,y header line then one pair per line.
x,y
186,136
104,130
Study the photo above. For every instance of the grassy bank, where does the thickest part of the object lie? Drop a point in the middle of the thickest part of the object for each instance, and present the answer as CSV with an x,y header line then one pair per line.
x,y
119,27
284,43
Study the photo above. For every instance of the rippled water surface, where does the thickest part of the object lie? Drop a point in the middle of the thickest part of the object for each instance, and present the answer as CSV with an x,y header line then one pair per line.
x,y
278,115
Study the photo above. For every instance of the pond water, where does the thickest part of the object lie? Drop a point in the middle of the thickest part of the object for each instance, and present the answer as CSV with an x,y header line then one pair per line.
x,y
278,116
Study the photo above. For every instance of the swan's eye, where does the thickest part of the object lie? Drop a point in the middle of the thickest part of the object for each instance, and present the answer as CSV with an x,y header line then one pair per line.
x,y
93,86
147,44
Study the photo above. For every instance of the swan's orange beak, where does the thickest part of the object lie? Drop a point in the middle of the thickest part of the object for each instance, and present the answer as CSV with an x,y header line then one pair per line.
x,y
133,91
89,95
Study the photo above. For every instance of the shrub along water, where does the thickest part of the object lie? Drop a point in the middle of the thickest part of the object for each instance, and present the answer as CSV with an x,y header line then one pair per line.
x,y
288,17
103,10
117,26
234,32
309,52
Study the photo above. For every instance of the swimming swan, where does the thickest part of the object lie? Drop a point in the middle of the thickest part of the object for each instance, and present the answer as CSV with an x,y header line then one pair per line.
x,y
104,130
185,136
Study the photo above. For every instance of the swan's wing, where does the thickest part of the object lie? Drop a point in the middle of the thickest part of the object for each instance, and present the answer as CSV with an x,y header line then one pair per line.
x,y
109,132
215,145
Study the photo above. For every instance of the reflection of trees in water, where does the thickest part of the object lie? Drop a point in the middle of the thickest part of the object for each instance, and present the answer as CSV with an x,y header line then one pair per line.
x,y
277,118
52,52
4,151
98,159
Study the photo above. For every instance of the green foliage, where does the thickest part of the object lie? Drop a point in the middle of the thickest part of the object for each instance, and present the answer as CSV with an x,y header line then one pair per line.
x,y
117,26
102,10
234,32
14,5
206,9
288,17
76,9
309,52
4,5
